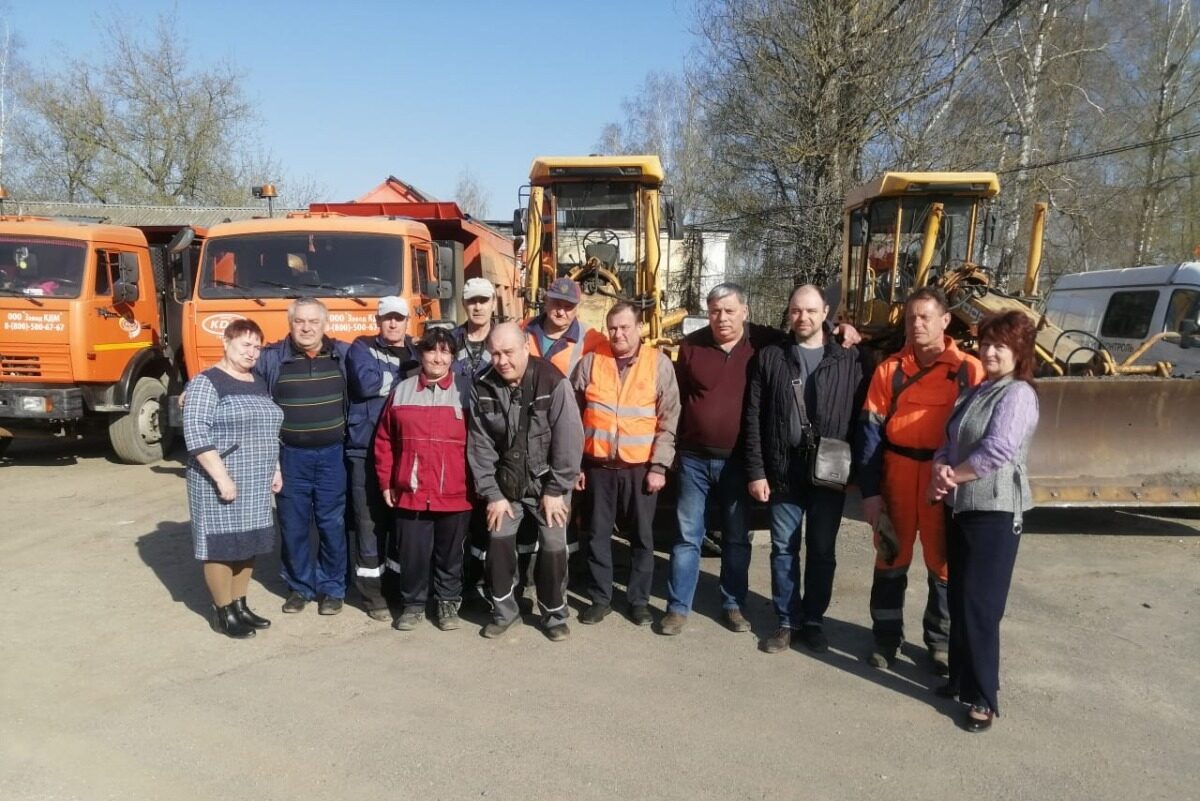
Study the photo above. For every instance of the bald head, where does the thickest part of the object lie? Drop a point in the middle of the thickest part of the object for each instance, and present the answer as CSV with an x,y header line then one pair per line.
x,y
510,351
807,311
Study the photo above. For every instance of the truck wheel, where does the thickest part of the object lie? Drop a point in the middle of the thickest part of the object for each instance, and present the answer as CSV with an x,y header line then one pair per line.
x,y
141,435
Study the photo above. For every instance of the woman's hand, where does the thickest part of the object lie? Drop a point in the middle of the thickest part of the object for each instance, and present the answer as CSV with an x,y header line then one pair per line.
x,y
226,489
942,482
389,497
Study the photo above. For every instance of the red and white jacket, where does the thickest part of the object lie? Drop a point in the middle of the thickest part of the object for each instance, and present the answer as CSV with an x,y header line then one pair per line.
x,y
421,444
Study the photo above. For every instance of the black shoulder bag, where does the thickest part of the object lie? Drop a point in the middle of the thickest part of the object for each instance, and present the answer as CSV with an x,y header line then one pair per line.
x,y
829,458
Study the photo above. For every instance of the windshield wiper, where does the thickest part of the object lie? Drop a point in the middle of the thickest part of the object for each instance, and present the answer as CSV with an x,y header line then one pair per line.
x,y
18,293
245,293
341,293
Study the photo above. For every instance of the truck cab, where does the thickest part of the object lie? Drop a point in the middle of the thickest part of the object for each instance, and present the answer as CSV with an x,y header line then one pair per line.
x,y
84,332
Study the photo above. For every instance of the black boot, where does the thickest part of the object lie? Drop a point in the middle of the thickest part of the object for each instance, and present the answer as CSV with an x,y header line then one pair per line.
x,y
249,618
225,621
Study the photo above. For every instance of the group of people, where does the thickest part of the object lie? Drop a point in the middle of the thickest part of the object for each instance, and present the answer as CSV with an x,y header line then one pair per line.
x,y
498,434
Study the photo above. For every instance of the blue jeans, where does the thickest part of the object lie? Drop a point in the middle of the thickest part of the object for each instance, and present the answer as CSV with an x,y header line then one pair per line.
x,y
703,481
314,485
824,510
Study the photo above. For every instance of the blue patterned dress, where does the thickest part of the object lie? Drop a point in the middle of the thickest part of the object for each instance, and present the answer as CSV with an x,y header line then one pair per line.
x,y
239,420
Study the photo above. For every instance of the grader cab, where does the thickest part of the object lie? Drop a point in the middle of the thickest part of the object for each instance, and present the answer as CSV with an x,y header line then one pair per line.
x,y
1112,433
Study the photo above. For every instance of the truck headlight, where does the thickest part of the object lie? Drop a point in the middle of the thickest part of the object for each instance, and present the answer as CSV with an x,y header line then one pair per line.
x,y
35,404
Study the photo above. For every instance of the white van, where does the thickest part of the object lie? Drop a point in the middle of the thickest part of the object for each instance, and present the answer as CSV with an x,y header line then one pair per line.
x,y
1124,308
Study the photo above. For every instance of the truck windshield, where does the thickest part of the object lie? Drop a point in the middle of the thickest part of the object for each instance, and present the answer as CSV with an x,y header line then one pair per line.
x,y
301,264
597,205
47,267
883,243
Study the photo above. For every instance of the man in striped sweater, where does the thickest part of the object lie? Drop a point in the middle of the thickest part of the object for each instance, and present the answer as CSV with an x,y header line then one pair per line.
x,y
306,375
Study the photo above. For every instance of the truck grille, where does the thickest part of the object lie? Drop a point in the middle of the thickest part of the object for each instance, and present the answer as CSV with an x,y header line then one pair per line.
x,y
47,362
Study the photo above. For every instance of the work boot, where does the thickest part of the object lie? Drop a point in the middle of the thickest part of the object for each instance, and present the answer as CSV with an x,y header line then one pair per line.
x,y
781,640
225,620
381,613
493,630
734,620
672,624
558,633
594,613
882,656
640,614
410,618
330,606
940,658
814,637
249,618
447,615
295,603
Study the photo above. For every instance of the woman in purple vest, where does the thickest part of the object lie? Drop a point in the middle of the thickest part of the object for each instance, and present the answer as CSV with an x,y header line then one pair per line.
x,y
980,474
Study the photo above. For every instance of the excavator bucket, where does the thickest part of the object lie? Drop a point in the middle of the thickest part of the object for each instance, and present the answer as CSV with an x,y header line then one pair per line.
x,y
1117,441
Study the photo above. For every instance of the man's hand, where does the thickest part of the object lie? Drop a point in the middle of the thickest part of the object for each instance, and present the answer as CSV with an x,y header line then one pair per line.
x,y
872,509
226,489
655,481
277,481
849,334
581,482
389,497
760,490
555,509
496,510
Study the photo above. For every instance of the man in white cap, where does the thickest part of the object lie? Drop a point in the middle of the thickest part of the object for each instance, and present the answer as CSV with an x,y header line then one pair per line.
x,y
374,365
479,301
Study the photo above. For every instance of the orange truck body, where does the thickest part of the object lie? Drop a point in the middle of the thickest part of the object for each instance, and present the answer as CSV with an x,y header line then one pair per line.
x,y
86,331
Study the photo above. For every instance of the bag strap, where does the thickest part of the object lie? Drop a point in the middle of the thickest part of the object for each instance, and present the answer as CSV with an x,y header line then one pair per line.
x,y
798,396
900,383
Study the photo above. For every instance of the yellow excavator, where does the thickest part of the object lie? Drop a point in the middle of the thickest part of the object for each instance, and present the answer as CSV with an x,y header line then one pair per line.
x,y
598,220
1112,433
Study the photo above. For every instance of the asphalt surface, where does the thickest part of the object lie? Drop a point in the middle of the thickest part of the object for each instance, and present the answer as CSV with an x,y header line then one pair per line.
x,y
112,686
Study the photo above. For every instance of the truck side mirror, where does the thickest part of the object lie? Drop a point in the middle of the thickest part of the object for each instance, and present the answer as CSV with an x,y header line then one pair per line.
x,y
445,290
518,223
672,223
125,290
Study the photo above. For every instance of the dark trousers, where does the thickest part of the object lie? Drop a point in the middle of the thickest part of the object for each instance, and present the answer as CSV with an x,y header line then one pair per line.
x,y
550,569
823,509
619,495
314,486
981,550
887,609
430,544
371,524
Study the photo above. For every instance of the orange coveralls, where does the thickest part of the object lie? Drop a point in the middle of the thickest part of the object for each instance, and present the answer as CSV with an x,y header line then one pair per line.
x,y
896,462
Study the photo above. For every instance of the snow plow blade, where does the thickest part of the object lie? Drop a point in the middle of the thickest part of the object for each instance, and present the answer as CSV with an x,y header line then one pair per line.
x,y
1117,441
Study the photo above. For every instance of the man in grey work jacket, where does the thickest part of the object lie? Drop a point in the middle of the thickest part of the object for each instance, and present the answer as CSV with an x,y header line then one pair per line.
x,y
524,446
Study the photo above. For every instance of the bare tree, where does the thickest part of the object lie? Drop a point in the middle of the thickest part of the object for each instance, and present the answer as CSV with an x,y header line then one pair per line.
x,y
471,197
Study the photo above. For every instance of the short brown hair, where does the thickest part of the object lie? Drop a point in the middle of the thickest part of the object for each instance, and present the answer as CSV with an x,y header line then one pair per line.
x,y
243,326
623,306
1015,330
928,293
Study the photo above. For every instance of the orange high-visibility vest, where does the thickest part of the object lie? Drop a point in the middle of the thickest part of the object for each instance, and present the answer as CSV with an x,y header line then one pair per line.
x,y
619,420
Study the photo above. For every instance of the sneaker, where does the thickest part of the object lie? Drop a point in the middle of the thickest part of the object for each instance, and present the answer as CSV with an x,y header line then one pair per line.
x,y
640,614
734,620
329,606
594,613
295,603
814,637
558,633
672,624
447,615
882,656
493,630
410,618
940,658
382,614
781,640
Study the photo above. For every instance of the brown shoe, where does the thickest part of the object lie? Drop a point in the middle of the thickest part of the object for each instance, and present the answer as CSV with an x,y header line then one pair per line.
x,y
781,640
734,620
672,624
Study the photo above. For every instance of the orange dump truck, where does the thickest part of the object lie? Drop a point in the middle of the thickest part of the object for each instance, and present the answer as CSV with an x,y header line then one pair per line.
x,y
90,330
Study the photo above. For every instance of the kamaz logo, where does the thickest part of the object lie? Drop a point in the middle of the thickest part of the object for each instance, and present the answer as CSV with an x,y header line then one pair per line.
x,y
216,324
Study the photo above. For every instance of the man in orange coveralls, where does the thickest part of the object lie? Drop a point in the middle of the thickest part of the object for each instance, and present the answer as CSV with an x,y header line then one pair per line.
x,y
911,396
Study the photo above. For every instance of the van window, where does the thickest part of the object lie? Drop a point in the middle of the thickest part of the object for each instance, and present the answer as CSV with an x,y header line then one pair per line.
x,y
1184,307
1129,314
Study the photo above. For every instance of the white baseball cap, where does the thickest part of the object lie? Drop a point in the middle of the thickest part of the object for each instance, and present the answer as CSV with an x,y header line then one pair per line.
x,y
392,304
478,288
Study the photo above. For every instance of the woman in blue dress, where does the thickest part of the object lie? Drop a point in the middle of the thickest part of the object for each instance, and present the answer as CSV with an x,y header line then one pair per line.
x,y
231,427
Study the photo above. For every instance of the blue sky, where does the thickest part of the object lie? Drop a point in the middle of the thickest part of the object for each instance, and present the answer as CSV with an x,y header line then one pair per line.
x,y
352,92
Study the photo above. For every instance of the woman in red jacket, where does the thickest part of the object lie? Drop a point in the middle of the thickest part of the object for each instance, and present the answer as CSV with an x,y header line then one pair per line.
x,y
421,462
